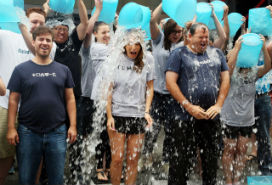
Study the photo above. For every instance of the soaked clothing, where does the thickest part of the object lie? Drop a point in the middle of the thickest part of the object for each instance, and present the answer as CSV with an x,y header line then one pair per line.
x,y
130,125
161,56
231,132
238,108
199,81
199,76
131,85
68,54
42,90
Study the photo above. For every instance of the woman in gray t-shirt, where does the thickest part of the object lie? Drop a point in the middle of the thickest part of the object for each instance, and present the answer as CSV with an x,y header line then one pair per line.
x,y
129,100
237,113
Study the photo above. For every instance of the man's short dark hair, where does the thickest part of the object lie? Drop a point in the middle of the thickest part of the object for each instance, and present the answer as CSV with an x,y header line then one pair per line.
x,y
42,30
197,25
36,10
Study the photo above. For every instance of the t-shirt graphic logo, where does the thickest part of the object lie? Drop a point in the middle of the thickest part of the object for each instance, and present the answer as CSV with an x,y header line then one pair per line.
x,y
44,74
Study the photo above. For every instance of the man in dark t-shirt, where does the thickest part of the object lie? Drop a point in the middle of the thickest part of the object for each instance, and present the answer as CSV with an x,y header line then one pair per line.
x,y
45,89
197,77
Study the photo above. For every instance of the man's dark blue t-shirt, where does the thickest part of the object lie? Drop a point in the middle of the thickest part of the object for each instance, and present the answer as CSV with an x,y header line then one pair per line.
x,y
42,90
199,76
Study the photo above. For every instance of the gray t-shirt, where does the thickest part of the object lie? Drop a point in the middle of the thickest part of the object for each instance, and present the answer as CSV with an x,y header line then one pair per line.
x,y
92,59
129,87
161,56
238,108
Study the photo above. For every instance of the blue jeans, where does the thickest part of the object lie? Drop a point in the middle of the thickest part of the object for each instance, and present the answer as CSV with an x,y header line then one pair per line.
x,y
33,146
263,114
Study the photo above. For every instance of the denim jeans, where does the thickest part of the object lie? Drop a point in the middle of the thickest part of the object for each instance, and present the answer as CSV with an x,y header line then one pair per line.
x,y
263,114
33,146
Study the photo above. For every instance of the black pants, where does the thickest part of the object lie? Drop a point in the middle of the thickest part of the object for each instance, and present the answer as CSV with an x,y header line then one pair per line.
x,y
188,135
161,113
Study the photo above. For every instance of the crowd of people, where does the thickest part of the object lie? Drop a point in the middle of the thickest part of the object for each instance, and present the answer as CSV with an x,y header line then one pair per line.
x,y
55,76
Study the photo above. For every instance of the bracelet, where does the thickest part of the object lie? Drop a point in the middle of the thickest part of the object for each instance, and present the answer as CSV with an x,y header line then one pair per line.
x,y
184,102
146,112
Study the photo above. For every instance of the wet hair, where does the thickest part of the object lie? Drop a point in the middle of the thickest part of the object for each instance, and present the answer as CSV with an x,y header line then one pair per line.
x,y
42,30
97,24
186,31
138,61
168,28
36,10
194,27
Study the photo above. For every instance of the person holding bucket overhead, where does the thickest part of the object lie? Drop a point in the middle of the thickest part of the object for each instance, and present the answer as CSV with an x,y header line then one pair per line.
x,y
237,115
129,101
94,54
163,43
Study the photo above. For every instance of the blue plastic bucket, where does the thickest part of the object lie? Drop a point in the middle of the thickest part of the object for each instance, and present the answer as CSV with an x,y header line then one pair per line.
x,y
219,12
108,11
11,26
133,15
259,180
19,3
203,13
62,6
146,21
180,11
259,20
250,51
7,11
235,22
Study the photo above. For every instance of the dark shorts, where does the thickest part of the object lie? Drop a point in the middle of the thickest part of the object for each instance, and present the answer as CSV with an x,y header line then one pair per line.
x,y
130,125
231,132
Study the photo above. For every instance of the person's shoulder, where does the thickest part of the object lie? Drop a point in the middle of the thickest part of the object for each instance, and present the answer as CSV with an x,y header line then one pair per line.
x,y
24,65
179,50
59,65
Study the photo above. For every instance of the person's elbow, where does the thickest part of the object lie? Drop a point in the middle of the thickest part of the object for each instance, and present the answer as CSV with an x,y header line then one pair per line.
x,y
3,92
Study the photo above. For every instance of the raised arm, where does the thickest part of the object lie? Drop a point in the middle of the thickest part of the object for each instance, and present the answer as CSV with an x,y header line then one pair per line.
x,y
12,135
267,58
27,37
2,87
233,54
71,110
219,42
92,20
226,27
82,27
154,27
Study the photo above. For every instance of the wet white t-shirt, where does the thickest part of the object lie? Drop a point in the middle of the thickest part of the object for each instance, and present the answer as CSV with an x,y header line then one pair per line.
x,y
129,87
13,51
161,56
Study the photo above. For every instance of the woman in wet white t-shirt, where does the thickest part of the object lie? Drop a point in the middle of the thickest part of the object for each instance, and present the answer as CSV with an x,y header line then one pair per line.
x,y
129,100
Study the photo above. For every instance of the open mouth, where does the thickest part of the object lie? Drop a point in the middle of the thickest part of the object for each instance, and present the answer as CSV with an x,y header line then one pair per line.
x,y
203,45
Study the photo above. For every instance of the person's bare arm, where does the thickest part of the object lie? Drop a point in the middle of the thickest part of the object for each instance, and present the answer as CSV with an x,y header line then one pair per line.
x,y
233,55
82,27
71,110
2,87
219,42
267,52
154,28
110,120
12,135
226,27
214,110
27,37
149,97
91,22
172,86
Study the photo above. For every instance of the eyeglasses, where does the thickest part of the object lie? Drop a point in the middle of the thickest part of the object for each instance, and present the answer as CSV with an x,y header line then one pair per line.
x,y
176,31
64,29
